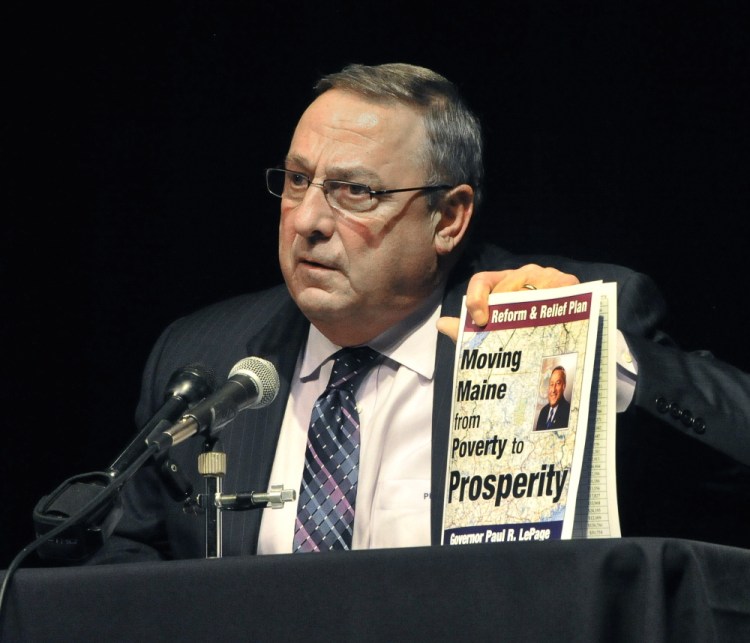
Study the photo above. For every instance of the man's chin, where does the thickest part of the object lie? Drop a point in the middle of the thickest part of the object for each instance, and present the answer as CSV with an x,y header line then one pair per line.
x,y
319,304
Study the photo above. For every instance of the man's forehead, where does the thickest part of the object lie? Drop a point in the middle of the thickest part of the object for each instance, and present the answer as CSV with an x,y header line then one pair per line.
x,y
345,135
348,112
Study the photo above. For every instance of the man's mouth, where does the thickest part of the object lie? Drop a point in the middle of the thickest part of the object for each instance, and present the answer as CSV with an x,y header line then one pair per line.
x,y
312,263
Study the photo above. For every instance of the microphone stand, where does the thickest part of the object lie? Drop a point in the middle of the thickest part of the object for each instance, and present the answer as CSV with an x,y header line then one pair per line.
x,y
212,465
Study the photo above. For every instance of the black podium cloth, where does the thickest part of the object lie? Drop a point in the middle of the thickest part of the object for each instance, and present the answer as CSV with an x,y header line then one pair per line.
x,y
637,590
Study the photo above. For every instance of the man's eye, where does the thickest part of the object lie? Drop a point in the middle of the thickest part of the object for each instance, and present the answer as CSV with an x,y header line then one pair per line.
x,y
354,190
297,180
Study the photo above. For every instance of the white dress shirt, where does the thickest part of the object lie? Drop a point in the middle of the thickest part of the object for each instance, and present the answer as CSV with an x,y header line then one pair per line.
x,y
395,413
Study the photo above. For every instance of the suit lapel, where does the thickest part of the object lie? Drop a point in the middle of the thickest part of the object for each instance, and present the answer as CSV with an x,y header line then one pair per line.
x,y
280,342
441,408
252,446
483,257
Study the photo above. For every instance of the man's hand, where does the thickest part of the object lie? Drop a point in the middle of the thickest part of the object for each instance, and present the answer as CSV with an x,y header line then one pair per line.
x,y
483,284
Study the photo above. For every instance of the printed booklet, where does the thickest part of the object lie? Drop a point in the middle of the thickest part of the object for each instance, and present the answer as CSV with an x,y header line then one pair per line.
x,y
532,444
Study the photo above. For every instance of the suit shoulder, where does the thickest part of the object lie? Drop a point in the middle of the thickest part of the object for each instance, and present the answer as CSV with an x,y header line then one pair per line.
x,y
227,323
216,336
241,307
487,256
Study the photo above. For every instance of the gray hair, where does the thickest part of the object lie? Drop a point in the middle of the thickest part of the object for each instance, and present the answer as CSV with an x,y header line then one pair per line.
x,y
454,136
562,373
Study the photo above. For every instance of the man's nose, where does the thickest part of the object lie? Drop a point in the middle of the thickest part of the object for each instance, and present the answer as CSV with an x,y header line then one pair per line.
x,y
313,214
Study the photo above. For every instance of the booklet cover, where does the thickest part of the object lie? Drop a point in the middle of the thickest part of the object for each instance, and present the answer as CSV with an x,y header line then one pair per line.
x,y
521,415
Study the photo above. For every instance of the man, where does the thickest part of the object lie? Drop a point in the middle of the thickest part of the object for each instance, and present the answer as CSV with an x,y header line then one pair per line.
x,y
554,414
378,191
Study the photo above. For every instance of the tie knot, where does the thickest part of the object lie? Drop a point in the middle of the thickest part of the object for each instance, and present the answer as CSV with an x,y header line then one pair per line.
x,y
351,365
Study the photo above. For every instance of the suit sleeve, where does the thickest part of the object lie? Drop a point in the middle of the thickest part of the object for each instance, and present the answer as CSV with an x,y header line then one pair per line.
x,y
693,393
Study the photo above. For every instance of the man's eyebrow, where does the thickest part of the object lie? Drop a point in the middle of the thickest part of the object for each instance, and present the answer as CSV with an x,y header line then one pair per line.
x,y
356,173
296,161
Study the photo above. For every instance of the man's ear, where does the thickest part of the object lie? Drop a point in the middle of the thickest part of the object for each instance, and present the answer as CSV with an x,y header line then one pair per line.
x,y
454,215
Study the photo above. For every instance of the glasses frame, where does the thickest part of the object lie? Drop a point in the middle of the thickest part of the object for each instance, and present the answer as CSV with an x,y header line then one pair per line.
x,y
367,188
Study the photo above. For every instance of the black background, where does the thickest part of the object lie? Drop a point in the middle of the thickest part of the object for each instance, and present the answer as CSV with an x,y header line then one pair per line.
x,y
134,139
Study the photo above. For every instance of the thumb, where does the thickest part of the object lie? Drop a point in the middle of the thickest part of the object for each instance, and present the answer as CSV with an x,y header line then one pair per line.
x,y
448,326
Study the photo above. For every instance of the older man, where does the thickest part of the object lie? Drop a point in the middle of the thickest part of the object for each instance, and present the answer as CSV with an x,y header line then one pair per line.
x,y
378,192
554,414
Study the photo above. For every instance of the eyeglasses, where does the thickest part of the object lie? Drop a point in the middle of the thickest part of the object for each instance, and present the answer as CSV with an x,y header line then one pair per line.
x,y
355,198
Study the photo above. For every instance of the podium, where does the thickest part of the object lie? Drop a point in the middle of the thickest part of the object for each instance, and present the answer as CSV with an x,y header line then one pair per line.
x,y
630,589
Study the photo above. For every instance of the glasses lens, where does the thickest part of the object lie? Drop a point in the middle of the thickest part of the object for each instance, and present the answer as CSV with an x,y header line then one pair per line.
x,y
349,197
275,180
352,198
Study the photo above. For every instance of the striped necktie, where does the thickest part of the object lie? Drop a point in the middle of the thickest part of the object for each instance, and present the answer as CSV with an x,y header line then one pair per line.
x,y
325,511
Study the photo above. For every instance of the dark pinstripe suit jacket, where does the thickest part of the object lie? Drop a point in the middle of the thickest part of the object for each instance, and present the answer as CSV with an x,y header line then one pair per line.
x,y
561,416
676,477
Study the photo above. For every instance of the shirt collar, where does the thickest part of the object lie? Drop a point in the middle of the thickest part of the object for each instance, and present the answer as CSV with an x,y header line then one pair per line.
x,y
411,343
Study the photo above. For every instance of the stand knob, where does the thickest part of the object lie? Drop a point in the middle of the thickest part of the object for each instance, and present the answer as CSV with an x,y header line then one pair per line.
x,y
212,463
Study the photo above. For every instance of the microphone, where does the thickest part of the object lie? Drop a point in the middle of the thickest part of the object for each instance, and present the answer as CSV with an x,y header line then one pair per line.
x,y
186,386
252,384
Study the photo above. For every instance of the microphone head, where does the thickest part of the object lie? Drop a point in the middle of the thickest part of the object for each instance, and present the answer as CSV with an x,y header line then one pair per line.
x,y
191,383
265,376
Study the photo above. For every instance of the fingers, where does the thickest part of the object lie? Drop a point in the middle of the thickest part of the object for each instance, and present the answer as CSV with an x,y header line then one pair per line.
x,y
478,291
484,283
449,326
540,277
